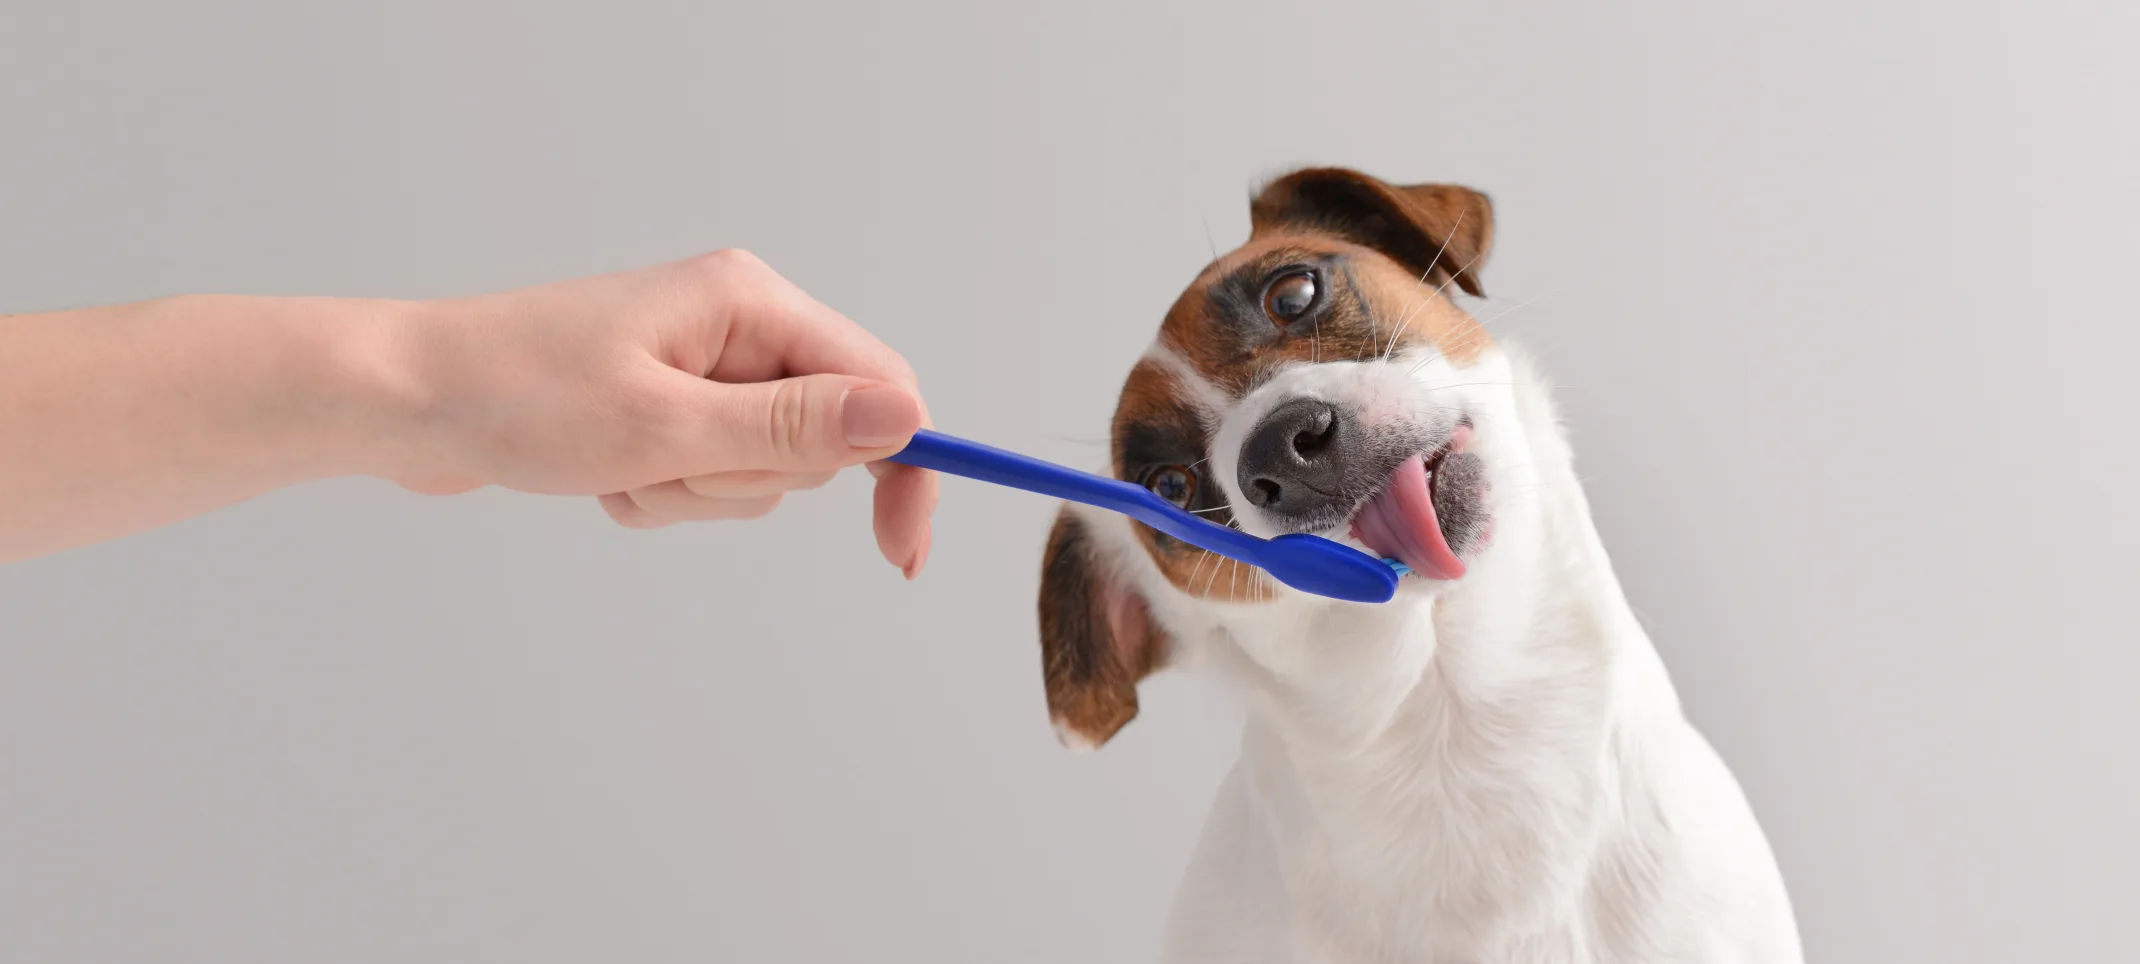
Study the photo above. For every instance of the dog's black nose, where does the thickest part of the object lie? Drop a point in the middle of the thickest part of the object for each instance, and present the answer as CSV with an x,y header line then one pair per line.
x,y
1293,463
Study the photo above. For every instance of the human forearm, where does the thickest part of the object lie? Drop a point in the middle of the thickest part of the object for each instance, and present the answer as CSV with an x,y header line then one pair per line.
x,y
118,419
706,388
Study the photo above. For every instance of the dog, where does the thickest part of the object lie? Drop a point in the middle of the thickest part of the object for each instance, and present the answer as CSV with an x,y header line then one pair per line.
x,y
1492,767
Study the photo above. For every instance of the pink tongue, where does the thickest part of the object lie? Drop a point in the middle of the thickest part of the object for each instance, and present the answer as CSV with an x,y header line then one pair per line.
x,y
1399,522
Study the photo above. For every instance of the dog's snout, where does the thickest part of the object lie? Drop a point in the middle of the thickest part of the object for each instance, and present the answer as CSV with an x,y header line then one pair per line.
x,y
1293,464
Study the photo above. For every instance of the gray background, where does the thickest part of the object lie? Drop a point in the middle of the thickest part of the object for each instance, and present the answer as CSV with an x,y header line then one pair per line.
x,y
1836,300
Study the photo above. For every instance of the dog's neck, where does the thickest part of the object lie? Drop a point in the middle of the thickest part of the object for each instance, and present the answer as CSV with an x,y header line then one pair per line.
x,y
1447,754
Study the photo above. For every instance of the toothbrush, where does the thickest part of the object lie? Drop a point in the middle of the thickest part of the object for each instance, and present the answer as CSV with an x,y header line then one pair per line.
x,y
1309,563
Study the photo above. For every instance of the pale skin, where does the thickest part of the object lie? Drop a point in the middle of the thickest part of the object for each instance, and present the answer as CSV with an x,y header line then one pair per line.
x,y
701,389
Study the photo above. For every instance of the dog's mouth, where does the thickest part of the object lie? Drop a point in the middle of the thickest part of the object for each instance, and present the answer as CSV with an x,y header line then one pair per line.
x,y
1431,512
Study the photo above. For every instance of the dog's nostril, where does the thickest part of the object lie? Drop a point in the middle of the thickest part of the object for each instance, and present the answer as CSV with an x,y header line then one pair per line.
x,y
1294,462
1312,441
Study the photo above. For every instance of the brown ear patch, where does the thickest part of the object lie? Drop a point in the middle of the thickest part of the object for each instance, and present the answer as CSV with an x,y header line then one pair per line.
x,y
1436,230
1097,639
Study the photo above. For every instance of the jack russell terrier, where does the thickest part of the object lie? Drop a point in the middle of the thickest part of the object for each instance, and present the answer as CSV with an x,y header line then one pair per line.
x,y
1493,767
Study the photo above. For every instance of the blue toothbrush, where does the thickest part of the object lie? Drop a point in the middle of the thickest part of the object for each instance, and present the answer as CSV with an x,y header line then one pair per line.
x,y
1305,562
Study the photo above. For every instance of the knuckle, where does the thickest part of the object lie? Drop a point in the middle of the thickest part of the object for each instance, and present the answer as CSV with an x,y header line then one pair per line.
x,y
789,420
730,261
901,370
627,512
729,485
646,500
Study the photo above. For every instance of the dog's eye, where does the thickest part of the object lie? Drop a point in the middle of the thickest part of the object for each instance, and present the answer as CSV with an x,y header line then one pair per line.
x,y
1290,297
1172,483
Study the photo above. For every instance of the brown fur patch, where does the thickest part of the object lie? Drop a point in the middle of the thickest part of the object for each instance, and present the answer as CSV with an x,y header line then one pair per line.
x,y
1206,575
1152,395
1097,637
1158,425
1420,313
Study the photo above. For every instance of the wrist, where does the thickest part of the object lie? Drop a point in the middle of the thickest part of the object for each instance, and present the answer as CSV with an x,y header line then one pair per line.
x,y
335,379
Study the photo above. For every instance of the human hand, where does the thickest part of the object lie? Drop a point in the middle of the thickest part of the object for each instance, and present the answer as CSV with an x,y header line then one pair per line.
x,y
700,389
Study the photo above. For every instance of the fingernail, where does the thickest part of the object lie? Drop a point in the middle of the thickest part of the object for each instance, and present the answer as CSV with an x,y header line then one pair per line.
x,y
921,555
878,416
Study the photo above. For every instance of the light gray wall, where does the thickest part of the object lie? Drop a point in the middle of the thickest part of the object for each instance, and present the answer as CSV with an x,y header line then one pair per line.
x,y
1835,298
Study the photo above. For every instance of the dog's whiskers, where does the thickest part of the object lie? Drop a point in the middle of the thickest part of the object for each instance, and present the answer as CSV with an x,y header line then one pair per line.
x,y
1472,339
1406,320
1441,290
1190,583
1476,338
1512,309
1480,335
1212,582
1444,388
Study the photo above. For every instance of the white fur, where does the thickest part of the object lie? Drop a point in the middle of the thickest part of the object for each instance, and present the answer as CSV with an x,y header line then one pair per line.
x,y
1207,398
1493,770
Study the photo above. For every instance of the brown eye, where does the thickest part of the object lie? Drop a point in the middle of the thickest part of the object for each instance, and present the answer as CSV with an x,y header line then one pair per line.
x,y
1290,297
1172,483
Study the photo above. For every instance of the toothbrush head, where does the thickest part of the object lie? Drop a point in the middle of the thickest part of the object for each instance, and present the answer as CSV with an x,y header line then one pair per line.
x,y
1317,565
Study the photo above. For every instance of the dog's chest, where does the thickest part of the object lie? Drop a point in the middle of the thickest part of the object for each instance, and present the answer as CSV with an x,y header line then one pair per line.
x,y
1457,830
1447,844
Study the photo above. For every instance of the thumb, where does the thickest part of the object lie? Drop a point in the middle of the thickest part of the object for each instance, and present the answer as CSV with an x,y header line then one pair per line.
x,y
812,423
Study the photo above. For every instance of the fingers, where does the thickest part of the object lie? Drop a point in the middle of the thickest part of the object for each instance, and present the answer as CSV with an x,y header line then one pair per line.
x,y
441,484
799,426
654,506
726,495
905,498
627,513
748,484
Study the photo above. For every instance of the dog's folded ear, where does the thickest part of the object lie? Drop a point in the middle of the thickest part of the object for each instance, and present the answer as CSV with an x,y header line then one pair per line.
x,y
1097,638
1440,231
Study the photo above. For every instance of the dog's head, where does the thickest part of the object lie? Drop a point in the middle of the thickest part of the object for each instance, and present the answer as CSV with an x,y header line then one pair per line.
x,y
1320,378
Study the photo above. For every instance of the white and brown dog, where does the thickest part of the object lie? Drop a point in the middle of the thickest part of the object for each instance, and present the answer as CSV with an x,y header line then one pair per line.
x,y
1492,768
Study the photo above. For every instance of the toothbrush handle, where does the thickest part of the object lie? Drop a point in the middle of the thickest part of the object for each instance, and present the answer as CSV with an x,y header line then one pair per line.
x,y
973,460
957,456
